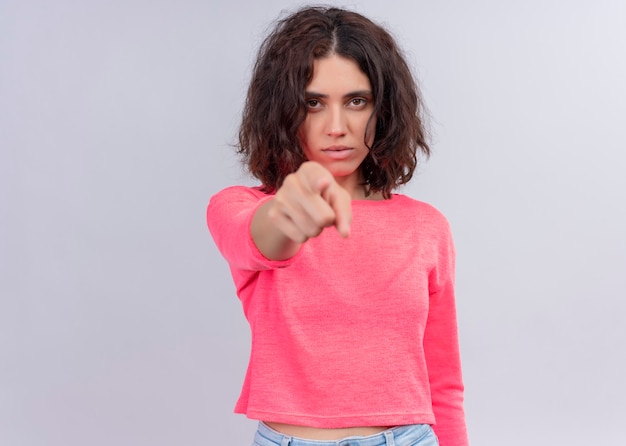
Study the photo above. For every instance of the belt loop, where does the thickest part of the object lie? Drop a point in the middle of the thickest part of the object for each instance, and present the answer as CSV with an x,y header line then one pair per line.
x,y
389,438
286,441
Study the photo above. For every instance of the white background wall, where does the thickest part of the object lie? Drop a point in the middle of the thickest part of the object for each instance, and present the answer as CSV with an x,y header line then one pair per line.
x,y
118,320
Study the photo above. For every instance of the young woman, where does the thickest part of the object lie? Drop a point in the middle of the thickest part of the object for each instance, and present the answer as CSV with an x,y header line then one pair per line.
x,y
348,287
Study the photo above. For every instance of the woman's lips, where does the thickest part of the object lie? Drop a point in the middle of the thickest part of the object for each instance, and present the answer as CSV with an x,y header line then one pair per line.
x,y
337,152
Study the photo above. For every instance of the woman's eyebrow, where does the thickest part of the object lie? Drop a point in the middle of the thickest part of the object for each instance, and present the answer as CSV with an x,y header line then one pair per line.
x,y
314,94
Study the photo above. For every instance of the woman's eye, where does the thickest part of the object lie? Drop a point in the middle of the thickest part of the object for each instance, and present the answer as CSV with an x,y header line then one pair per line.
x,y
358,102
312,103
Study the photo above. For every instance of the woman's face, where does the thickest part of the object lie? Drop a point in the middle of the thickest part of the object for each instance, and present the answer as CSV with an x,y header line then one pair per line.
x,y
339,106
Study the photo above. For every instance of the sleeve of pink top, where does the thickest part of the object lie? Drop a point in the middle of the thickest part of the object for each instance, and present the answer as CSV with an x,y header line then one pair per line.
x,y
229,215
441,347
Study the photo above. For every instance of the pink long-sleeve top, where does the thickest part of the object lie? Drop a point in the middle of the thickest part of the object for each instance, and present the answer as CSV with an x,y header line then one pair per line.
x,y
349,332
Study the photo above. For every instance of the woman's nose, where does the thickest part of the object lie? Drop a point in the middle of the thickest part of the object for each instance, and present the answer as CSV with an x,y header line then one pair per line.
x,y
337,124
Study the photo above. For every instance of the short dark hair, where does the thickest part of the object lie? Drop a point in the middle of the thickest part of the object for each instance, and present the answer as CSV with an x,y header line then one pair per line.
x,y
275,106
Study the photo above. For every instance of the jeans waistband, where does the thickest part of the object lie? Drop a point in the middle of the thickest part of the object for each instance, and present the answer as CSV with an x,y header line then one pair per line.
x,y
396,436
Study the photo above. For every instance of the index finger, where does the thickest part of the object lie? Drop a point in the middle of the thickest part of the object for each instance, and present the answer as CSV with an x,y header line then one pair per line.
x,y
341,203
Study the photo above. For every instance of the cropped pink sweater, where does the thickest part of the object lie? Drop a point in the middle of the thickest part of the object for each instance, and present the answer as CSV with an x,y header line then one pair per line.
x,y
349,332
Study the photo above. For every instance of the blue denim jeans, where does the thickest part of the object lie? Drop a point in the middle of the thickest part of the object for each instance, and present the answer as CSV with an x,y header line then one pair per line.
x,y
412,435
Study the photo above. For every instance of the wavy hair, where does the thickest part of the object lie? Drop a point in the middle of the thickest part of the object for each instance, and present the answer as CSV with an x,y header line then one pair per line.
x,y
275,106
